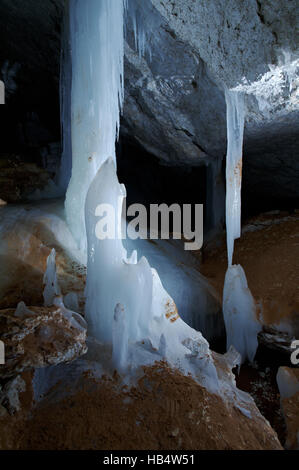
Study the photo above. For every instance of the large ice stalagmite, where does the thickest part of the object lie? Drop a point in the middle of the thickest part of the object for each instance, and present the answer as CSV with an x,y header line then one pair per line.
x,y
111,277
97,43
239,308
127,305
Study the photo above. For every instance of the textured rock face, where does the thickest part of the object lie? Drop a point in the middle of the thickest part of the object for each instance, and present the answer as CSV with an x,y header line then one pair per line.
x,y
174,105
288,383
235,38
38,337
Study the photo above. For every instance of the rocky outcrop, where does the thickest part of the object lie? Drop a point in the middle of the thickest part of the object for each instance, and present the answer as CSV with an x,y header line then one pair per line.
x,y
37,337
175,105
10,395
18,179
288,383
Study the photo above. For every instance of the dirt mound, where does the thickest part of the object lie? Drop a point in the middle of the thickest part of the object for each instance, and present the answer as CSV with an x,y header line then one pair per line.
x,y
165,410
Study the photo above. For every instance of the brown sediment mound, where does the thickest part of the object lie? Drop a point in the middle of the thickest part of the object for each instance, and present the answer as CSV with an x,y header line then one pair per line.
x,y
166,410
290,407
268,251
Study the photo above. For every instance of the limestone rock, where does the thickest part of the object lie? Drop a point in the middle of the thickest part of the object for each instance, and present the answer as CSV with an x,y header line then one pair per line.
x,y
288,383
45,337
9,396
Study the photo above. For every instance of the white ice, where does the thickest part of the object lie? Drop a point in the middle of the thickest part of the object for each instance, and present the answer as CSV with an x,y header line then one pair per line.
x,y
239,308
52,288
287,382
235,115
97,47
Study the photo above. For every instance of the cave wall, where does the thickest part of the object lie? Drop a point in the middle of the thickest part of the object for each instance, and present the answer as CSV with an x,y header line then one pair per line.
x,y
174,104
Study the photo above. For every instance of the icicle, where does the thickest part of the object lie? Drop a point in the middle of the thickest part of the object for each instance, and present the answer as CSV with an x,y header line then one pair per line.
x,y
235,130
239,308
52,288
97,95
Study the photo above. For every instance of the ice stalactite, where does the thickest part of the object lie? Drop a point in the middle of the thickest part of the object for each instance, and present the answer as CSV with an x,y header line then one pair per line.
x,y
235,116
97,44
239,308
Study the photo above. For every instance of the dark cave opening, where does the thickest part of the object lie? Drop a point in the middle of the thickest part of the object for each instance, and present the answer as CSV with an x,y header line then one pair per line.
x,y
149,182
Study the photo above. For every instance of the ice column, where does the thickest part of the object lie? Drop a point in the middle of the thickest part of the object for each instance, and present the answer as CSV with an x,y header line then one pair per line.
x,y
239,308
96,30
235,115
126,303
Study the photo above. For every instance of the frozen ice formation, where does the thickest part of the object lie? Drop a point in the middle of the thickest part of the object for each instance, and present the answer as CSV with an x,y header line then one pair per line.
x,y
235,130
239,308
126,303
97,44
287,381
52,288
278,89
120,341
